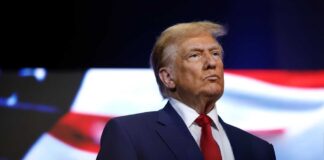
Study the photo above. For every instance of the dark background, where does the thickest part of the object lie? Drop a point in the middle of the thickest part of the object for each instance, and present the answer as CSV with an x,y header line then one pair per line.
x,y
65,34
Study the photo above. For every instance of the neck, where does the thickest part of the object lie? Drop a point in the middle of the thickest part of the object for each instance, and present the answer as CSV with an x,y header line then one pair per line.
x,y
200,104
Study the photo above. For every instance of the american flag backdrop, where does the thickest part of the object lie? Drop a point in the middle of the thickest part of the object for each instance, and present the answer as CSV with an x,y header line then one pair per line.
x,y
283,107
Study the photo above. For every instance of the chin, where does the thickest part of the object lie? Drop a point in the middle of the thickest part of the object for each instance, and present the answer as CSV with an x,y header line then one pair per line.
x,y
213,91
218,92
214,94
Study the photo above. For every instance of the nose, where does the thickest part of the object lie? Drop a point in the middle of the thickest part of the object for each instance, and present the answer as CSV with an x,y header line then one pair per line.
x,y
209,61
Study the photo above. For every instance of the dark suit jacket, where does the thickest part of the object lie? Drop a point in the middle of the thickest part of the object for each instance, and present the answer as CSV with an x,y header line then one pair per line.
x,y
162,135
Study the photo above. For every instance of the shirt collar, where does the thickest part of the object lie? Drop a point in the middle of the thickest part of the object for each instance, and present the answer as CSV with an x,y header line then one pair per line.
x,y
214,117
189,115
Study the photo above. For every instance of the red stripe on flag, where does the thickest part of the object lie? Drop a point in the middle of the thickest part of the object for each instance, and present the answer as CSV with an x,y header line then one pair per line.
x,y
267,132
304,79
82,131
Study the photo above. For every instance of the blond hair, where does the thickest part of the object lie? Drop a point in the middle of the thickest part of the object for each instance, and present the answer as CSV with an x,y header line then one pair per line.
x,y
165,47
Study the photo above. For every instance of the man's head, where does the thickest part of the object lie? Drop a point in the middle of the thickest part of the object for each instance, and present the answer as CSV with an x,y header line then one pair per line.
x,y
187,59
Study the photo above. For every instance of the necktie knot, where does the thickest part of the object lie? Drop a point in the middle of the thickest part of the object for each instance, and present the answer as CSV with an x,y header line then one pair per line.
x,y
203,120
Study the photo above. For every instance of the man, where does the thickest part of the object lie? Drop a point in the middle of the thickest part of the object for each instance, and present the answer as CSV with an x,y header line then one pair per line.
x,y
188,66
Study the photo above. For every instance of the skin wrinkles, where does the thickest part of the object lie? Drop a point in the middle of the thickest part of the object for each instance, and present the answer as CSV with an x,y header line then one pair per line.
x,y
197,73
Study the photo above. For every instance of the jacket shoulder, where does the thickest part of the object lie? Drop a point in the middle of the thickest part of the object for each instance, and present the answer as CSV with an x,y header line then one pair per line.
x,y
248,146
246,135
136,118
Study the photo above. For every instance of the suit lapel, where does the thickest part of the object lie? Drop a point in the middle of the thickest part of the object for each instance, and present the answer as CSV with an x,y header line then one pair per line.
x,y
176,135
238,145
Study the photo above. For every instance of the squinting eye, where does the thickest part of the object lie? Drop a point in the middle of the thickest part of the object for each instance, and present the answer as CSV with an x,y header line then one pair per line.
x,y
216,54
194,55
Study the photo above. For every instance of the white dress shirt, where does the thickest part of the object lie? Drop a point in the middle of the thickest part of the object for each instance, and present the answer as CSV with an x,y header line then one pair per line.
x,y
189,116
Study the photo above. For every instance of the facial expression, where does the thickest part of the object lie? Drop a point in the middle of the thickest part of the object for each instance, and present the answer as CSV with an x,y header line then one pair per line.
x,y
198,68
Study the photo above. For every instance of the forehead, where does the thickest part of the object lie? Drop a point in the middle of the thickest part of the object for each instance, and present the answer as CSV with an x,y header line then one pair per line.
x,y
199,42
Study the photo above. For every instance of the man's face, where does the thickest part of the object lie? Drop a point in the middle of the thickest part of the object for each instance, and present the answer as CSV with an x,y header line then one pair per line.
x,y
198,68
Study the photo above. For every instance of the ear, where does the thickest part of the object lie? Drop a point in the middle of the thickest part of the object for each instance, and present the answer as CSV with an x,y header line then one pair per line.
x,y
166,77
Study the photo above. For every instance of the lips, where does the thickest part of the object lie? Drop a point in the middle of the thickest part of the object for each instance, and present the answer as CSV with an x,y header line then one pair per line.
x,y
212,77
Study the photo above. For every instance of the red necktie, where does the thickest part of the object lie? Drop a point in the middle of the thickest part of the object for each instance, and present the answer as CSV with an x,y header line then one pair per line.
x,y
208,145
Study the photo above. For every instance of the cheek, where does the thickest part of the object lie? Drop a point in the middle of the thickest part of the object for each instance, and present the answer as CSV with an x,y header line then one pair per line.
x,y
187,76
220,69
192,74
220,64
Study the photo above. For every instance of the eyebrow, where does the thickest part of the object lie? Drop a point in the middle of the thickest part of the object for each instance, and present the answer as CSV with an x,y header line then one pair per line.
x,y
209,49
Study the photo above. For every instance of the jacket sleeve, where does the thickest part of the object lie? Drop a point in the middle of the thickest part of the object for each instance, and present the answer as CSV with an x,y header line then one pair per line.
x,y
115,143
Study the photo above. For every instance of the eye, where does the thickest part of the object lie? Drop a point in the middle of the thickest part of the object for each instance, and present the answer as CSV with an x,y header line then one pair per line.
x,y
216,53
194,55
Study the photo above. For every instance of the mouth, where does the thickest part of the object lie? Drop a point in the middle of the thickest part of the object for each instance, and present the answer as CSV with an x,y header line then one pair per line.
x,y
212,77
